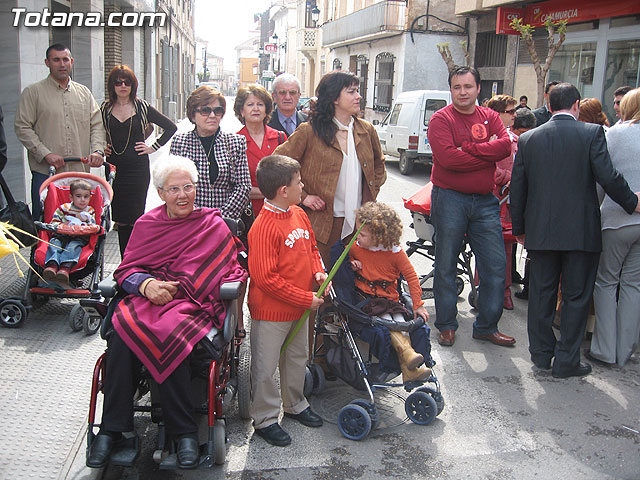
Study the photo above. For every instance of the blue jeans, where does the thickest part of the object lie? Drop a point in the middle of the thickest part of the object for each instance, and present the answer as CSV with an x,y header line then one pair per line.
x,y
37,179
455,214
70,254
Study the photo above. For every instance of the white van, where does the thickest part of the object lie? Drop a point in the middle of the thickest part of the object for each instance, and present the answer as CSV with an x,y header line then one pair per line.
x,y
403,132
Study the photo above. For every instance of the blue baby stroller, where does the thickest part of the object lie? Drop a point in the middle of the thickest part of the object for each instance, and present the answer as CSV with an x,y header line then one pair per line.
x,y
339,325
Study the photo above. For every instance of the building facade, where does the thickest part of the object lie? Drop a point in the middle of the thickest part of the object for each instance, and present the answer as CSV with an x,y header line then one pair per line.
x,y
601,51
391,45
161,53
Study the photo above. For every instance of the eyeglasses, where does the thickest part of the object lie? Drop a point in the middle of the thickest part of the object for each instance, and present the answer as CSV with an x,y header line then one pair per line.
x,y
126,82
511,111
617,102
283,93
206,111
175,191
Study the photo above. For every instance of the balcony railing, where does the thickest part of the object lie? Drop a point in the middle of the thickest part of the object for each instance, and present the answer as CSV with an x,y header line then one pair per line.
x,y
307,39
387,16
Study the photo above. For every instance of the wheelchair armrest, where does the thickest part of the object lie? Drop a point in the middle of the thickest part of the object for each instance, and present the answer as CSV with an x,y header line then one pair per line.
x,y
230,290
108,287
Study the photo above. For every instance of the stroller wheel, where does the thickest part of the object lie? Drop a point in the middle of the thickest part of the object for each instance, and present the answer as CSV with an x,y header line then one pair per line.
x,y
459,285
436,395
219,442
91,324
354,422
421,408
12,313
308,382
77,318
370,408
244,383
318,378
473,298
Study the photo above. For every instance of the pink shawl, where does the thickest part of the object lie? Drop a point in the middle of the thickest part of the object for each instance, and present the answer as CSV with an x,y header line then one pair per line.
x,y
199,252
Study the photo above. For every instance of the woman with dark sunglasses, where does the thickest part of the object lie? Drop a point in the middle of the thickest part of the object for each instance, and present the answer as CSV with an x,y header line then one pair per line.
x,y
220,157
128,121
505,105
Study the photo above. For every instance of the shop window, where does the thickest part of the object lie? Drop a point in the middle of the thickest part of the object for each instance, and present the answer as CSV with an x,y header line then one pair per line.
x,y
491,50
622,68
575,63
630,21
383,86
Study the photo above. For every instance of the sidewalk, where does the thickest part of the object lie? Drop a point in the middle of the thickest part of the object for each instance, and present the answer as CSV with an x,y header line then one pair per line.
x,y
45,382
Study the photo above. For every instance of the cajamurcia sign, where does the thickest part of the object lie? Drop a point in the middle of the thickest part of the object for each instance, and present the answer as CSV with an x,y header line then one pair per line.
x,y
46,18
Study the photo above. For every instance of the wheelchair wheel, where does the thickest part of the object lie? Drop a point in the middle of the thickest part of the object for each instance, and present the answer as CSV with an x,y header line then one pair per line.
x,y
436,395
91,324
370,408
77,318
318,378
12,313
354,422
421,408
244,383
219,442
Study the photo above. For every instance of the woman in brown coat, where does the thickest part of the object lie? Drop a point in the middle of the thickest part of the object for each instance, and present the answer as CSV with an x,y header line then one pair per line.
x,y
341,159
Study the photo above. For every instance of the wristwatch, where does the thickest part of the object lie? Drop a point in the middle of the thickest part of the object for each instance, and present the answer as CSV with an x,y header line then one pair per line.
x,y
100,152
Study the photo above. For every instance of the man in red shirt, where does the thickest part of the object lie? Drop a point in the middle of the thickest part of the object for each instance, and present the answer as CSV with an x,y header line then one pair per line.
x,y
467,141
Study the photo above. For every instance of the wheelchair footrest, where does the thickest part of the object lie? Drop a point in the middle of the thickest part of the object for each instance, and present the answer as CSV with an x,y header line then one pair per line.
x,y
126,451
170,462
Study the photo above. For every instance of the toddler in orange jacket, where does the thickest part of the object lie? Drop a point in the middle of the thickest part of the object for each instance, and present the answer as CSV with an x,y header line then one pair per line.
x,y
284,264
378,260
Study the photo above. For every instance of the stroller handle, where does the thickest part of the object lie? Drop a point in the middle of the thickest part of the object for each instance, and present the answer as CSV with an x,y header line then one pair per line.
x,y
109,168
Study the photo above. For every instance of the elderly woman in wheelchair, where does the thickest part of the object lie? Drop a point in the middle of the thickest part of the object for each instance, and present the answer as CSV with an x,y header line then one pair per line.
x,y
172,271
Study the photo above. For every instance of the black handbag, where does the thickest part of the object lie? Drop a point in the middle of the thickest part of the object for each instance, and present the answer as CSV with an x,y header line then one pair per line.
x,y
247,217
18,215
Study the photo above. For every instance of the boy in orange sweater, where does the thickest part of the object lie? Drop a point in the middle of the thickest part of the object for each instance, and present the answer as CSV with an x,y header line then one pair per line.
x,y
283,264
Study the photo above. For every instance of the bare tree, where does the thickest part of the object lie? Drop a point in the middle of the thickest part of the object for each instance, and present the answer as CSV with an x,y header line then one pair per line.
x,y
445,53
526,33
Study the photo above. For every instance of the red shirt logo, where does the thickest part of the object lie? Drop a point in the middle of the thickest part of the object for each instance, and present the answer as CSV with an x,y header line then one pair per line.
x,y
478,131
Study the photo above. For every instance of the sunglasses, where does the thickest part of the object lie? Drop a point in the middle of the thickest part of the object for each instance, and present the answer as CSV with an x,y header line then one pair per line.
x,y
511,111
206,111
126,82
283,93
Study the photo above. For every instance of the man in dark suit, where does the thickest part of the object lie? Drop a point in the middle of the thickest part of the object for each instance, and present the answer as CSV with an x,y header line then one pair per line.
x,y
554,202
286,93
543,114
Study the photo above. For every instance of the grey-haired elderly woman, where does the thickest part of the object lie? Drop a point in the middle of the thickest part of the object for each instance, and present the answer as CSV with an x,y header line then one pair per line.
x,y
162,273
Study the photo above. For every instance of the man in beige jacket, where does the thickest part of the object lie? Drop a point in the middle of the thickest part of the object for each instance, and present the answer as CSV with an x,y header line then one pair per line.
x,y
58,118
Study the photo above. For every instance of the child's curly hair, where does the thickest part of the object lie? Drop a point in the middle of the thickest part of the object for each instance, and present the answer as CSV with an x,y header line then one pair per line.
x,y
383,223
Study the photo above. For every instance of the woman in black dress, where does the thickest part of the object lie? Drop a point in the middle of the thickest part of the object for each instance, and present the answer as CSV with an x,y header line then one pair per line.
x,y
127,120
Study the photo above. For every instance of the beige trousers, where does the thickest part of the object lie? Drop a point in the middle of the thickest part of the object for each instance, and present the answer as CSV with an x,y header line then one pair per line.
x,y
266,340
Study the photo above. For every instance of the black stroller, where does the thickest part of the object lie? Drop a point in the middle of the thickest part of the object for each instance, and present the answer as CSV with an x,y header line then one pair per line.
x,y
338,324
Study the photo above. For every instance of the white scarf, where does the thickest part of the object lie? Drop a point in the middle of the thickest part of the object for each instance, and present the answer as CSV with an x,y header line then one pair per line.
x,y
348,196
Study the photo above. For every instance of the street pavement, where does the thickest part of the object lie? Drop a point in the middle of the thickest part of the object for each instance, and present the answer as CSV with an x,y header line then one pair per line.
x,y
503,418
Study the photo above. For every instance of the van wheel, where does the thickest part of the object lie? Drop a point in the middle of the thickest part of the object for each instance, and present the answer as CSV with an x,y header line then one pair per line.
x,y
405,164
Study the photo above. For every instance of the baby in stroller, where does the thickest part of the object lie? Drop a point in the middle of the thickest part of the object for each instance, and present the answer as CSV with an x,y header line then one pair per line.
x,y
378,260
64,251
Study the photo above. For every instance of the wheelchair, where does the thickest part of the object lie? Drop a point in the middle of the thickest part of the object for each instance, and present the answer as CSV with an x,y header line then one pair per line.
x,y
220,372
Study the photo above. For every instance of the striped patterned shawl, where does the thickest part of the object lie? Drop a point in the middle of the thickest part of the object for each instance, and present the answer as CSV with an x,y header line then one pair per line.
x,y
199,252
